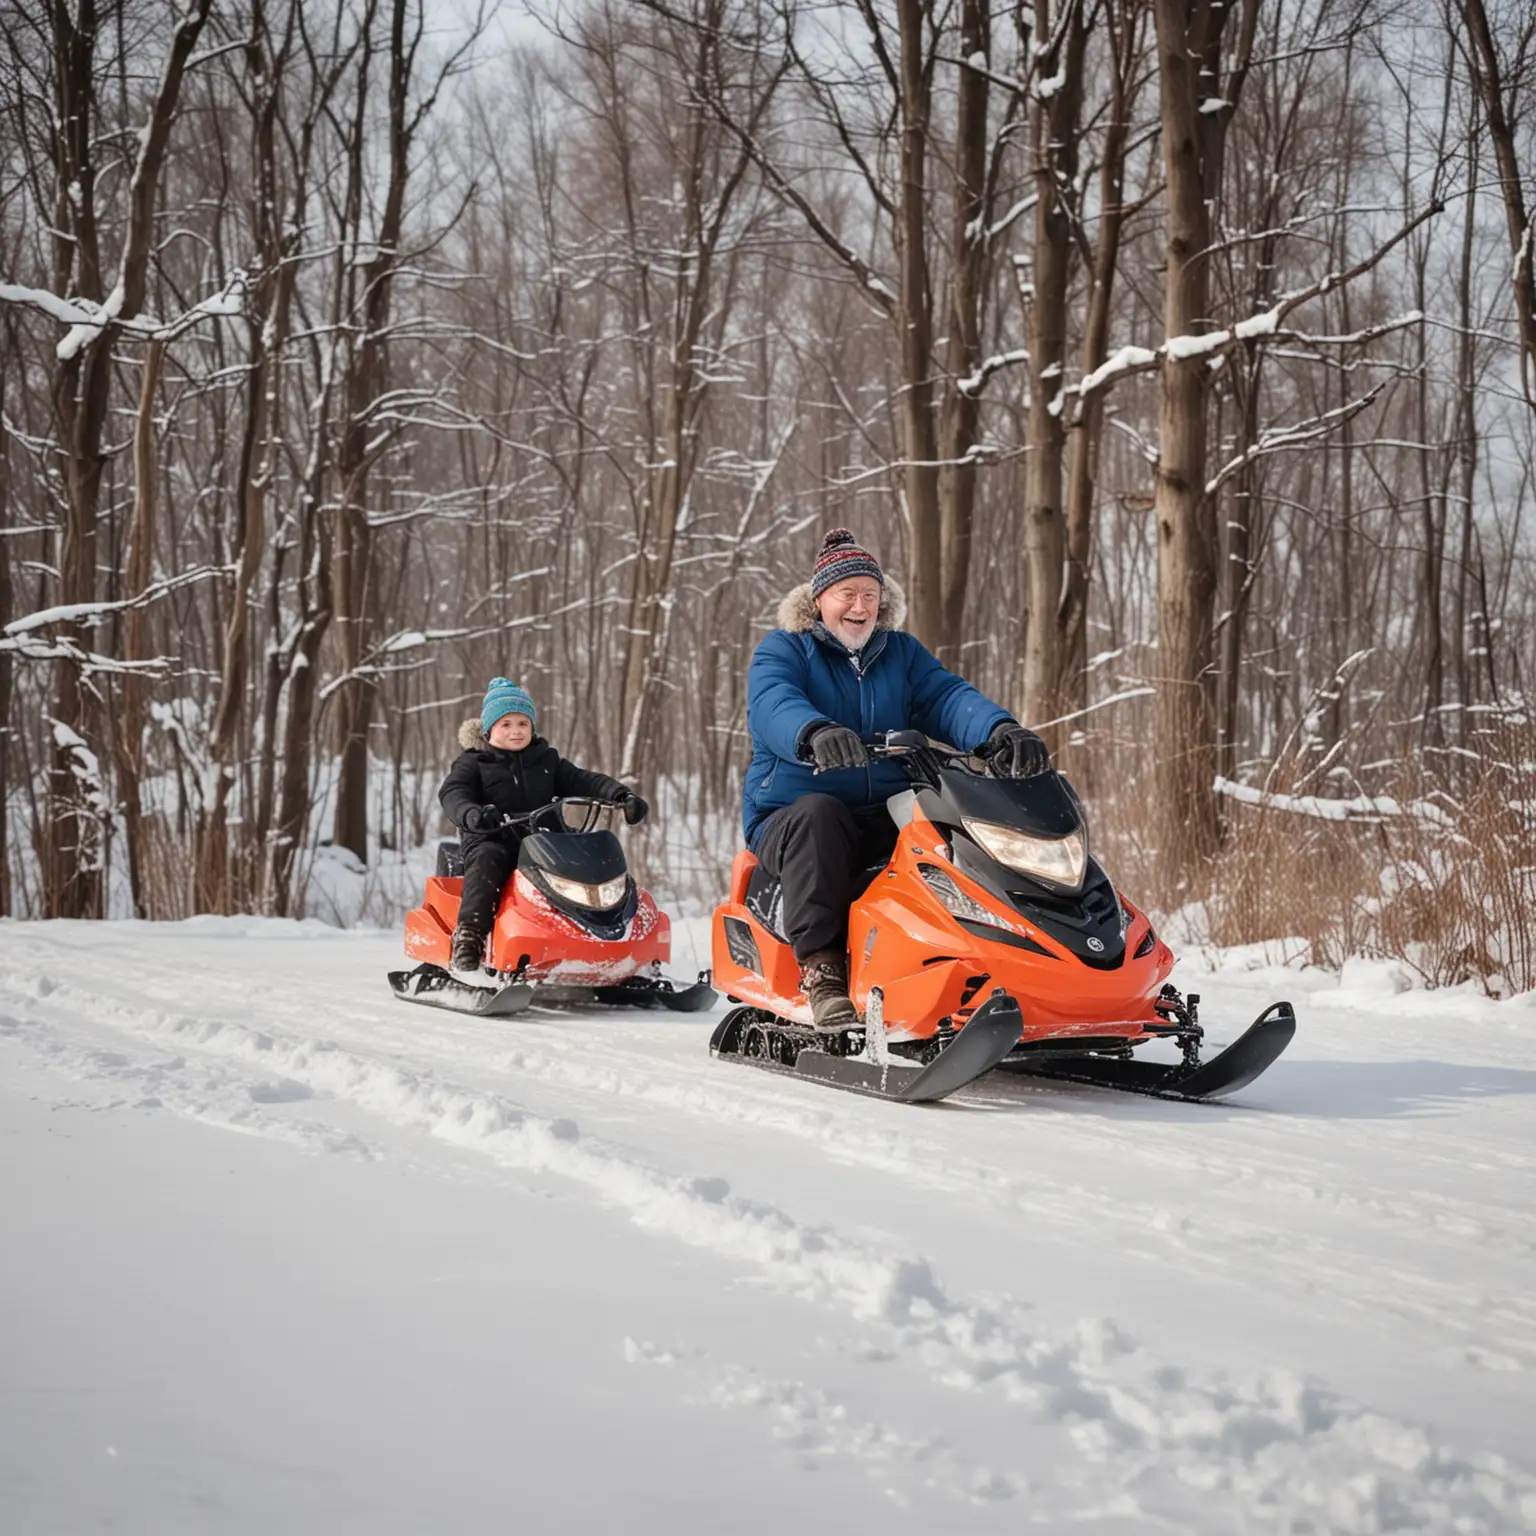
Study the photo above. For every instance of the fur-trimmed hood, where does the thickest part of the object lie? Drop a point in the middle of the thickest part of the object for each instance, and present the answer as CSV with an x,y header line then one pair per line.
x,y
472,737
797,613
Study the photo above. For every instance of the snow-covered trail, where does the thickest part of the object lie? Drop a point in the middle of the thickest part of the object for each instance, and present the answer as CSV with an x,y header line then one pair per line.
x,y
705,1298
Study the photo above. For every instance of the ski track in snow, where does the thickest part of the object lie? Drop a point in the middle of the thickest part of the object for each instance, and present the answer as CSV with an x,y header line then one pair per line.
x,y
273,1039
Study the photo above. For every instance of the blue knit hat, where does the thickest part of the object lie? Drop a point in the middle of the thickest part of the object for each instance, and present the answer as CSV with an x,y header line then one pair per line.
x,y
842,558
503,697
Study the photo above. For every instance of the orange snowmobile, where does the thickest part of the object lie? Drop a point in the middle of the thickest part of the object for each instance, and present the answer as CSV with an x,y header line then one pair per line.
x,y
991,937
572,927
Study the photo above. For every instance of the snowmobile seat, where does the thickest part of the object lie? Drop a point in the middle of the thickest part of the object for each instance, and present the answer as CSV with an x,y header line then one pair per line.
x,y
450,860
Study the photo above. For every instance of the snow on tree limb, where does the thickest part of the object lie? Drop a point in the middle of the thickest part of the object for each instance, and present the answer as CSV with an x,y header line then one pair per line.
x,y
1368,808
72,613
1279,439
86,320
1265,325
973,383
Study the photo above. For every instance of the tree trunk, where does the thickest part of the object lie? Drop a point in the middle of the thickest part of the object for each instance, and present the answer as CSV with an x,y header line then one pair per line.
x,y
225,875
130,732
1189,62
1055,169
1238,569
645,658
5,661
1071,684
1466,457
365,379
77,822
291,830
914,319
968,259
1493,90
71,889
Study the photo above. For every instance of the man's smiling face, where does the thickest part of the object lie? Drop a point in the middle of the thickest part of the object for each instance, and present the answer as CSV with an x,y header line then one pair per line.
x,y
849,609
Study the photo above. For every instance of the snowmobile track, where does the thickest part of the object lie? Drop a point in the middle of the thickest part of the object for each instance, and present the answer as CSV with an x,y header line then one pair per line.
x,y
992,1032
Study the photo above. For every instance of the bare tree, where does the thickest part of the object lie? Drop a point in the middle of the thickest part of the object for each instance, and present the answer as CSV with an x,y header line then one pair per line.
x,y
1498,75
1062,46
1124,25
81,389
1200,83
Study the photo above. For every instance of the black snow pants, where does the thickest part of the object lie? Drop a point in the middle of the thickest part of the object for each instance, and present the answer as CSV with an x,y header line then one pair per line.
x,y
488,862
819,848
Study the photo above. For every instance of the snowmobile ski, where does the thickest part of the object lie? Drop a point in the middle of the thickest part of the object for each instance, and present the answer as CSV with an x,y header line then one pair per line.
x,y
1235,1067
437,988
658,992
759,1039
633,992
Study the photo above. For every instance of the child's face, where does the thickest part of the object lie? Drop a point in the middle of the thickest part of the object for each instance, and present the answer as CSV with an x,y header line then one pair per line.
x,y
512,733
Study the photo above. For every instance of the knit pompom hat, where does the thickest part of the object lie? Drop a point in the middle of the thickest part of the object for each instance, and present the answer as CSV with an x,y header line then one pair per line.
x,y
840,558
504,697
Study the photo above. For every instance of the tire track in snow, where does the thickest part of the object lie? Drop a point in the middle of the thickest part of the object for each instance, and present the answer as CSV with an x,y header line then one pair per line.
x,y
1263,1445
221,1098
601,1063
816,1427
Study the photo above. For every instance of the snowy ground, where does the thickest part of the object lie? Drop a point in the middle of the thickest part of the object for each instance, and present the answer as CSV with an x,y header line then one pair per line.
x,y
278,1253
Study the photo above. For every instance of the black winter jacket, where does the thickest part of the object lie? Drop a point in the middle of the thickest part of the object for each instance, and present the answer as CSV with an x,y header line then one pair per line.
x,y
514,782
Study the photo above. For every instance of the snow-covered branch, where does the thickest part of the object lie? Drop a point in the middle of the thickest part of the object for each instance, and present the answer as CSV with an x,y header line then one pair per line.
x,y
1366,808
1279,439
1262,326
94,613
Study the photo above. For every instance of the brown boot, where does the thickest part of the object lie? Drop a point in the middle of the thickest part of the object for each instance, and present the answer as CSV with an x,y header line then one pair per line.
x,y
468,951
824,980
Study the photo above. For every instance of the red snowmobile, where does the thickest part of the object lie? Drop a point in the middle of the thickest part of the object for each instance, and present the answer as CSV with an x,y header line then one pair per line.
x,y
572,927
991,937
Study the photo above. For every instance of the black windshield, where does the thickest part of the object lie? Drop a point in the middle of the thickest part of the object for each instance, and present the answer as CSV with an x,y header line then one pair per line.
x,y
1043,806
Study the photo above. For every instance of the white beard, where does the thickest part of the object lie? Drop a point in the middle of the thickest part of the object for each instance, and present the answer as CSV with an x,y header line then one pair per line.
x,y
855,641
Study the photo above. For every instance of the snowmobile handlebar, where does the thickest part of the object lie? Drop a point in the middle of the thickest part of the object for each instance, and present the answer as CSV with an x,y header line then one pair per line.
x,y
922,758
554,818
895,744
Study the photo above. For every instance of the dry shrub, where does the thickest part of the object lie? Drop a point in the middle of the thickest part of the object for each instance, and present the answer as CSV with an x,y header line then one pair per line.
x,y
1436,870
167,890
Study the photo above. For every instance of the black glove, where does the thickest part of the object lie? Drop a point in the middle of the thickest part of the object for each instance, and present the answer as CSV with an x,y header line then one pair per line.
x,y
1017,753
835,746
635,808
483,818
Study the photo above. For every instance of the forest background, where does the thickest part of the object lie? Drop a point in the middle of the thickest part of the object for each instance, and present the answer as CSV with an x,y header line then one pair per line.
x,y
1179,358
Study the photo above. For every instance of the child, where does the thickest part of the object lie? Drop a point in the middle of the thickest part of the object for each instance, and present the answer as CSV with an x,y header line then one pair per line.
x,y
506,770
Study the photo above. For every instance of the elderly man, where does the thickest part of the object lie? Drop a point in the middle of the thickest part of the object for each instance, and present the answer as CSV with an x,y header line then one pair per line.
x,y
838,670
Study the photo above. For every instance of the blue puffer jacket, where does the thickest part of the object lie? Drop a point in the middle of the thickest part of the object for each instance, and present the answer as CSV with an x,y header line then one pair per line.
x,y
802,677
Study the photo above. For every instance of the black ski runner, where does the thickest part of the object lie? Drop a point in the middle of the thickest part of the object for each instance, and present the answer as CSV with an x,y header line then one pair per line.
x,y
658,992
759,1040
1235,1067
437,988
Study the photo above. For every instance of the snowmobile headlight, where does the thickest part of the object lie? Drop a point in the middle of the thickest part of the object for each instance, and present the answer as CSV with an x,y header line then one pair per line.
x,y
1059,860
599,897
